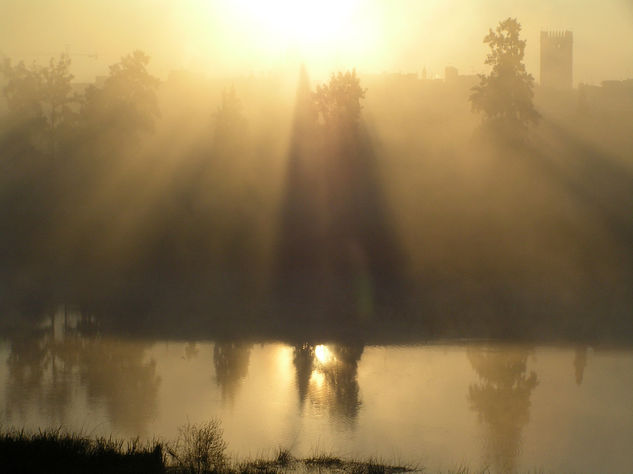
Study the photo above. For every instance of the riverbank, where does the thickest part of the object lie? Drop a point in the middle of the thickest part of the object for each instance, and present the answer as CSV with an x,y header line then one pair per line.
x,y
199,449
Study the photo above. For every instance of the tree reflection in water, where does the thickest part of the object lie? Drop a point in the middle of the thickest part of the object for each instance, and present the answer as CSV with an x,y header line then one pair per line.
x,y
580,362
231,366
41,365
27,363
502,400
117,375
327,378
304,365
45,364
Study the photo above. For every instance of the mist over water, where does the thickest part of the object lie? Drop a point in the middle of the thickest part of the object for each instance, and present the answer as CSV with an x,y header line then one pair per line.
x,y
505,406
430,268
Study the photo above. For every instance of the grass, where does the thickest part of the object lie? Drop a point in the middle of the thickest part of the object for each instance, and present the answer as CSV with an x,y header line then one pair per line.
x,y
285,462
199,449
54,451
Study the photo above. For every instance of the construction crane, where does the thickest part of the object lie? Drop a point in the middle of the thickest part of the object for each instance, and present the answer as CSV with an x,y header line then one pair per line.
x,y
67,52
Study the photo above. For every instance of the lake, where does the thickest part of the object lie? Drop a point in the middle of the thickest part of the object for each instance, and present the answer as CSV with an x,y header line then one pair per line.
x,y
437,405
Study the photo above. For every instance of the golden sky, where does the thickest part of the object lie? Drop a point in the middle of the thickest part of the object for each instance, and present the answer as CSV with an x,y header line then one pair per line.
x,y
229,37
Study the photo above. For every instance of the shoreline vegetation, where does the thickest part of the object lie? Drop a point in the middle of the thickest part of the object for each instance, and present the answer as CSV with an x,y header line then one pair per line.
x,y
198,449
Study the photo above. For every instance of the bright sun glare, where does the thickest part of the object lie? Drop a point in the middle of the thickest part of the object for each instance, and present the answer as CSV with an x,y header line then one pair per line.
x,y
302,22
323,354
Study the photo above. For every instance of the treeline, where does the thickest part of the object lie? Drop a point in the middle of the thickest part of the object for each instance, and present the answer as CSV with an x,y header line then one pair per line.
x,y
93,213
67,184
343,209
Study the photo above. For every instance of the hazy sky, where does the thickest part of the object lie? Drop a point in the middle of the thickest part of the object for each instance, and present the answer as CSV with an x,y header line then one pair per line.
x,y
223,37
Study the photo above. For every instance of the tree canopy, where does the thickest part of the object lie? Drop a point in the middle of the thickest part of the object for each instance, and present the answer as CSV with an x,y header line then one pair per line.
x,y
229,120
40,99
127,100
504,96
338,102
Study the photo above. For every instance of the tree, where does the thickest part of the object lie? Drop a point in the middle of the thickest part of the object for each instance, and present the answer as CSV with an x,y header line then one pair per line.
x,y
504,96
40,100
57,98
22,92
126,104
338,102
230,123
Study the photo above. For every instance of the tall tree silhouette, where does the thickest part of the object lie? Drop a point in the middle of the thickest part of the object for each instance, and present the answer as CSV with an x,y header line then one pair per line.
x,y
504,96
300,245
336,241
363,256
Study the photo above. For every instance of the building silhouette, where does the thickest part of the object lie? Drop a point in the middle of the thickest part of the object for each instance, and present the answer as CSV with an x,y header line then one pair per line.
x,y
556,59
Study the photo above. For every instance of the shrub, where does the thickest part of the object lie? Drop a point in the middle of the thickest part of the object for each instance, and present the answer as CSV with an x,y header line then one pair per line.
x,y
200,448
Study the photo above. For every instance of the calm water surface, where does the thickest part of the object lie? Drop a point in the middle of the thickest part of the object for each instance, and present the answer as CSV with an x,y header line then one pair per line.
x,y
509,407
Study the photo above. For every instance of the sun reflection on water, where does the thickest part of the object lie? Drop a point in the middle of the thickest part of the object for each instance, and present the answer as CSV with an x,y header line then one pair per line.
x,y
323,354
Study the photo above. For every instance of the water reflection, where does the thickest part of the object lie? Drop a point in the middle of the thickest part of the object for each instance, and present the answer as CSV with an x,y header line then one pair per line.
x,y
580,362
191,350
117,375
47,364
303,360
502,400
327,378
231,367
27,363
308,397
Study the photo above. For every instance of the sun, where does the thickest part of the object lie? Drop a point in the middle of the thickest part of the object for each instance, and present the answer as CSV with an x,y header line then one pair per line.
x,y
323,354
301,22
307,27
277,35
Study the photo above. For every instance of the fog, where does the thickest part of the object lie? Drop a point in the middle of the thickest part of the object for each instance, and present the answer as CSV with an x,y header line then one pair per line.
x,y
227,37
202,168
367,229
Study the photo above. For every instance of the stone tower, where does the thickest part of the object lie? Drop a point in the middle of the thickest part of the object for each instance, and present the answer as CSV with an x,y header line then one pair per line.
x,y
556,59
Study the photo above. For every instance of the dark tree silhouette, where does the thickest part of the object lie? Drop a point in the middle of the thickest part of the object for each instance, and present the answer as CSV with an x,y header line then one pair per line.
x,y
337,248
504,96
300,247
